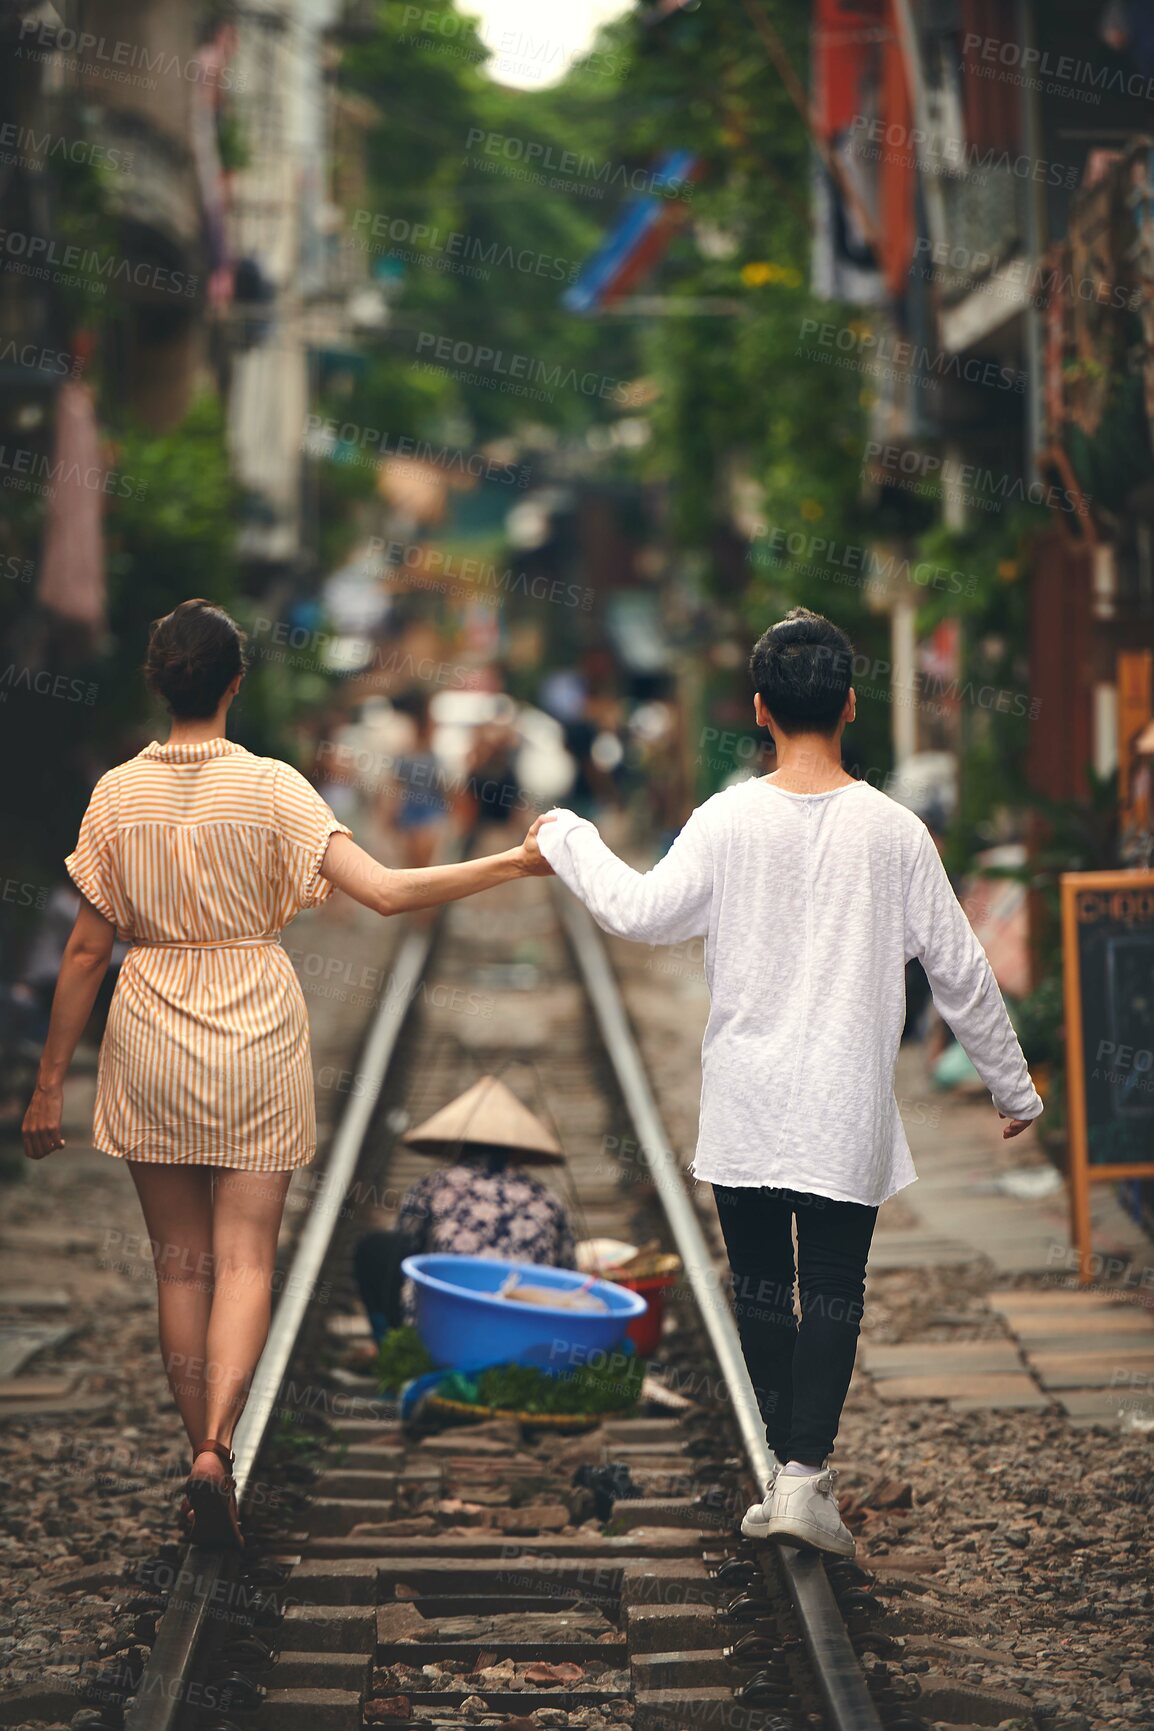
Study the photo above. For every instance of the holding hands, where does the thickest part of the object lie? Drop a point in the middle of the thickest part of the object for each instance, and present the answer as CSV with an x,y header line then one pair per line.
x,y
533,861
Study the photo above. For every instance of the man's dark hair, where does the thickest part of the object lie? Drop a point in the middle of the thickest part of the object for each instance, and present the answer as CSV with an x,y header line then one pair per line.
x,y
802,668
194,654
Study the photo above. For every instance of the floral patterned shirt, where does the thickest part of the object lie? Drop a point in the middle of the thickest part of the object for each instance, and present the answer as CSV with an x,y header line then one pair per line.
x,y
468,1211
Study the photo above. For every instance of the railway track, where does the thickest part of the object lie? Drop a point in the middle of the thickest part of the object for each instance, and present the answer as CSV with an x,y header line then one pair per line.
x,y
402,1575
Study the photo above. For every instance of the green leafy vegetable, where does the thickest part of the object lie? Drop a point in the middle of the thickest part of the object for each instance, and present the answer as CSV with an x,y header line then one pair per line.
x,y
611,1385
402,1356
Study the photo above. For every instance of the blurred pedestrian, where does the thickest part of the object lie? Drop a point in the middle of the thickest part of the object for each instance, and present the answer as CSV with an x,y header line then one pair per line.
x,y
416,798
492,772
812,891
199,853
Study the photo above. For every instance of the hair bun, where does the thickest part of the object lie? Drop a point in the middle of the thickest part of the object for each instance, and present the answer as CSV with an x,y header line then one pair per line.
x,y
194,654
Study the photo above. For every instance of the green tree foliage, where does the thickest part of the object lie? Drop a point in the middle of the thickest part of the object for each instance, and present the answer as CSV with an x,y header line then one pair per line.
x,y
737,396
176,537
171,537
471,244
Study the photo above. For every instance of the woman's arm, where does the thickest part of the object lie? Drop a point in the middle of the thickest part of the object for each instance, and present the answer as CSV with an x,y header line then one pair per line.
x,y
348,867
81,970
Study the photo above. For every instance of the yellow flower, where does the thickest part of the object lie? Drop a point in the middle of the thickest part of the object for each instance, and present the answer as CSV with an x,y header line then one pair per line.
x,y
812,511
758,273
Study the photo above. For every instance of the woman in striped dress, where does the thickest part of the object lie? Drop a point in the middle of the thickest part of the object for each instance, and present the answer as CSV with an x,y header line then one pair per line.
x,y
199,853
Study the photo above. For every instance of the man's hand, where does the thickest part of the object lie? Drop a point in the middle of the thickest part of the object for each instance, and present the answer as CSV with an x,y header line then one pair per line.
x,y
1015,1126
533,861
42,1132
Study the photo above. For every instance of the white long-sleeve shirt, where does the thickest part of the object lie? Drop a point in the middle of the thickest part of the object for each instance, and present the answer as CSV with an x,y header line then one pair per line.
x,y
810,906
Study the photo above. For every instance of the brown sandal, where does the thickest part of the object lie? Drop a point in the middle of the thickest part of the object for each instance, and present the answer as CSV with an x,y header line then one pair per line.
x,y
213,1522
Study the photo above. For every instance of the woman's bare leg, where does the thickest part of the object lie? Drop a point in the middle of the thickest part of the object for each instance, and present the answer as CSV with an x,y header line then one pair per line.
x,y
246,1217
177,1206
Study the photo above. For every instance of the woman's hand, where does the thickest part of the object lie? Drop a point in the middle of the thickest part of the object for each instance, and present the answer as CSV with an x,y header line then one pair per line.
x,y
82,968
42,1121
533,861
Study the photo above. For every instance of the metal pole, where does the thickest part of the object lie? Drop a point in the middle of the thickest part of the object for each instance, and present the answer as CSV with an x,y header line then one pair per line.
x,y
1035,212
915,73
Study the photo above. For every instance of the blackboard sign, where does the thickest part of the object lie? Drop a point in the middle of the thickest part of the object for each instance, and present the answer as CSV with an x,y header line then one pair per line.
x,y
1108,950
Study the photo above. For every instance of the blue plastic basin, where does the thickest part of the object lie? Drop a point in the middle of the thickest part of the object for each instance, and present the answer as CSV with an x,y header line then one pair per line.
x,y
466,1327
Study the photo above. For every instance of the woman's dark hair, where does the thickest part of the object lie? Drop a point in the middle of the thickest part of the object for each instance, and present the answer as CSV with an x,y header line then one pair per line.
x,y
802,668
194,654
487,1155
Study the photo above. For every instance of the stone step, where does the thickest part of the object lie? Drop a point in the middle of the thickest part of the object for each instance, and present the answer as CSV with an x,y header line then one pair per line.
x,y
693,1668
403,1631
372,1456
328,1628
519,1701
358,1481
680,1581
957,1703
1084,1369
670,1628
387,1432
643,1542
634,1512
330,1517
328,1671
311,1710
966,1391
709,1709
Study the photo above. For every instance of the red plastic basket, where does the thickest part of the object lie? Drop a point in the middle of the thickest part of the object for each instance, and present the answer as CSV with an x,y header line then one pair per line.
x,y
645,1333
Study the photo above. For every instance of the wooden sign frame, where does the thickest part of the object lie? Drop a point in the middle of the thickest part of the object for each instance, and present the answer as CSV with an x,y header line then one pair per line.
x,y
1081,1174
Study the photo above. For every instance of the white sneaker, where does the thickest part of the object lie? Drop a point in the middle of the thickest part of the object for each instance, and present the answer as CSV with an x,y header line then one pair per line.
x,y
755,1520
804,1511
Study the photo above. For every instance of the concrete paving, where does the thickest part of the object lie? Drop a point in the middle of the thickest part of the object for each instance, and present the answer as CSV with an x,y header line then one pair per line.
x,y
1090,1349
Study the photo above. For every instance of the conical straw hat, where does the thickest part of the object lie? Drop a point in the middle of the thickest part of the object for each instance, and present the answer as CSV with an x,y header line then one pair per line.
x,y
487,1115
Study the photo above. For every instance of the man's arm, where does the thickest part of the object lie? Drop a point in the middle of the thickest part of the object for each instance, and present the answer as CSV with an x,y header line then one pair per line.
x,y
964,988
663,906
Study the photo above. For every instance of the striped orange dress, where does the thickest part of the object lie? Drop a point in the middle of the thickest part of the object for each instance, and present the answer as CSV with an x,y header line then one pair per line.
x,y
200,855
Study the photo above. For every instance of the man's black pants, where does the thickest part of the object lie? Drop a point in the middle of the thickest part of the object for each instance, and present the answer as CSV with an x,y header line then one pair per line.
x,y
800,1370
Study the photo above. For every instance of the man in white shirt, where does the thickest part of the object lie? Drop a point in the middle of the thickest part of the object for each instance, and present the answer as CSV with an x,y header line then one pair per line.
x,y
812,891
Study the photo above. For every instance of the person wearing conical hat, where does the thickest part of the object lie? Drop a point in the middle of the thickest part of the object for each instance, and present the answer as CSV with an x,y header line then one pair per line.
x,y
483,1202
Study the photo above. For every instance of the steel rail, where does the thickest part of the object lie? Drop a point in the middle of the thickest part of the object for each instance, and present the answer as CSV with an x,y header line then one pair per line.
x,y
204,1575
839,1676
